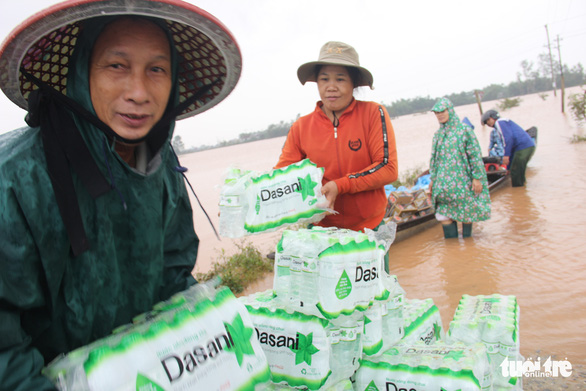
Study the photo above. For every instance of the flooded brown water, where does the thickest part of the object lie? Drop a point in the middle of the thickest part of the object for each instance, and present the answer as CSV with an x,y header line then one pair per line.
x,y
533,247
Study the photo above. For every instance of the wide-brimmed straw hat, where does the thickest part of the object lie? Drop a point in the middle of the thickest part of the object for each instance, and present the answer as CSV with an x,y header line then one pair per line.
x,y
43,44
335,53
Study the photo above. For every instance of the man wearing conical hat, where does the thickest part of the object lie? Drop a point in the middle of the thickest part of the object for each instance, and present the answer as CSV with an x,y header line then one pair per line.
x,y
95,223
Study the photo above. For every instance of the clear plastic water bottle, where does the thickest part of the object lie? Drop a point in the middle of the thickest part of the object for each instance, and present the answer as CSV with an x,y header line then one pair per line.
x,y
233,203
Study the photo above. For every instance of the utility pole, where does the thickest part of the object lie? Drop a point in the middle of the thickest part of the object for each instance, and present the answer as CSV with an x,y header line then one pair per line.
x,y
478,95
561,71
550,61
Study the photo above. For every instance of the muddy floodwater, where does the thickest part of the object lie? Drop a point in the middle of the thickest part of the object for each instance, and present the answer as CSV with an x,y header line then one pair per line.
x,y
533,247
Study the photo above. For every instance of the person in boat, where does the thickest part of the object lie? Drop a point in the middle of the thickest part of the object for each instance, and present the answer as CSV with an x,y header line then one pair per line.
x,y
352,140
96,224
516,145
459,188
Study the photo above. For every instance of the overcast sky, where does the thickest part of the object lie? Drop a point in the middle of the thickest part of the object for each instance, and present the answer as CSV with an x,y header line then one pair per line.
x,y
413,48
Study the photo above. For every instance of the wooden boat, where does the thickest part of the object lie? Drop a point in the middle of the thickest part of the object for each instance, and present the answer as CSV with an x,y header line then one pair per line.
x,y
406,229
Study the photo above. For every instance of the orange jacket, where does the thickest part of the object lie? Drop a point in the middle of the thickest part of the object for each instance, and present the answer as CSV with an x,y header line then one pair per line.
x,y
359,155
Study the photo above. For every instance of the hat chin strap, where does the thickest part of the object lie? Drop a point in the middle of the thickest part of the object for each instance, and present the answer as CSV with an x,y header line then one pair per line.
x,y
65,150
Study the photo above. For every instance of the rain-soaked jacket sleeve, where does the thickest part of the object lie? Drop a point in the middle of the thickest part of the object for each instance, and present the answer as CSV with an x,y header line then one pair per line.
x,y
20,288
474,155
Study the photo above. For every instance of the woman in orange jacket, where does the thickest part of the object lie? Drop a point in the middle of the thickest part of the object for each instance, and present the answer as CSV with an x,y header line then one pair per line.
x,y
353,140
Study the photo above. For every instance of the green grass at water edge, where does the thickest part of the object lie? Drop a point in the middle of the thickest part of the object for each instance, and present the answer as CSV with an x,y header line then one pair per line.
x,y
577,139
508,103
577,104
239,270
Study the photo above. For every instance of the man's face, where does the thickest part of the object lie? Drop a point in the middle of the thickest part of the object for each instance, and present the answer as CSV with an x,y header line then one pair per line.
x,y
490,122
130,76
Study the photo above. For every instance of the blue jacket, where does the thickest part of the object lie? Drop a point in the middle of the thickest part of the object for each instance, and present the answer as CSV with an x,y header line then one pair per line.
x,y
516,138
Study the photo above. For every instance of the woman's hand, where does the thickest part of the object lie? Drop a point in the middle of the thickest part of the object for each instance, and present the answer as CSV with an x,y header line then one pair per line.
x,y
476,186
330,190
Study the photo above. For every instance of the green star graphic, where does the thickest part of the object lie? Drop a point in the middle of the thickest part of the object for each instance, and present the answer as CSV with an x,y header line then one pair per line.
x,y
305,349
371,387
306,188
455,355
241,337
144,383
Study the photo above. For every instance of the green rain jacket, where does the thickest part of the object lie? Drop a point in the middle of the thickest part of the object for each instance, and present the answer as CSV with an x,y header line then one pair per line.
x,y
455,161
142,247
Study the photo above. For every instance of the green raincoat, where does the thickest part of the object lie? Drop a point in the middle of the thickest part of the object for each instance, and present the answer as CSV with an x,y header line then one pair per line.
x,y
142,246
456,160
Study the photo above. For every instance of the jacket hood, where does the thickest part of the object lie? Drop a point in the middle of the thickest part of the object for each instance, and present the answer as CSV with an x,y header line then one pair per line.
x,y
454,121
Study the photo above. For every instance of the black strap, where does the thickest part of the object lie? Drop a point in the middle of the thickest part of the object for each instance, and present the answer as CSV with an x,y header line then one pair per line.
x,y
64,148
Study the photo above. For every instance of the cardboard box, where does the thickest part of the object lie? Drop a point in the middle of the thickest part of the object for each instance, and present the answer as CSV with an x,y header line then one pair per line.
x,y
404,209
425,204
390,210
402,197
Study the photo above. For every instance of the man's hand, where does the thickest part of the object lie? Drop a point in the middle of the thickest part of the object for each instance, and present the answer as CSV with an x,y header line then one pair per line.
x,y
330,190
506,160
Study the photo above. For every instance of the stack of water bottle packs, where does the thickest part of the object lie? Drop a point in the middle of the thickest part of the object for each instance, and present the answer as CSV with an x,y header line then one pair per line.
x,y
334,320
493,321
335,314
483,332
330,303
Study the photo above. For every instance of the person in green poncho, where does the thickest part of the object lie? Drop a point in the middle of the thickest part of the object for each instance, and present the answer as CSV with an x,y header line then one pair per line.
x,y
96,224
459,188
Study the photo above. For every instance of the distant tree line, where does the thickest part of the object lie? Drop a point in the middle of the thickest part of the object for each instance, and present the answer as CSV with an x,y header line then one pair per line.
x,y
273,130
531,79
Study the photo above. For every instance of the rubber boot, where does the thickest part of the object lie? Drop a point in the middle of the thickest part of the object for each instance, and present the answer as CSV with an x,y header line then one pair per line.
x,y
450,230
466,230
